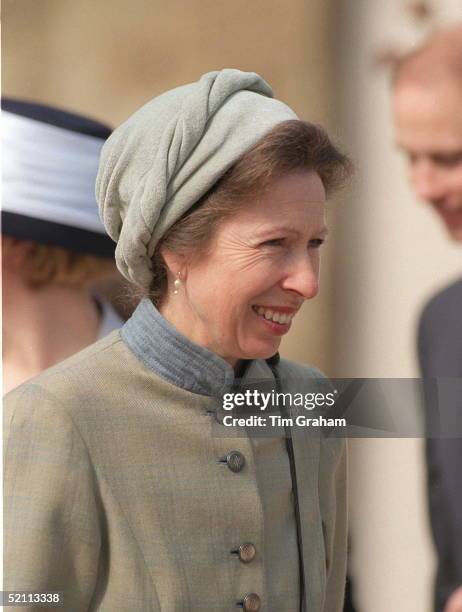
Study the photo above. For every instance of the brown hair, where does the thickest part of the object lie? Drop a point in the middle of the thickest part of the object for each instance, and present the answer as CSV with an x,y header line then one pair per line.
x,y
51,265
291,145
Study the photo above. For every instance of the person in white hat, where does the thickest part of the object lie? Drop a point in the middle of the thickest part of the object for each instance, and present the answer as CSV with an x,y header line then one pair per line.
x,y
54,244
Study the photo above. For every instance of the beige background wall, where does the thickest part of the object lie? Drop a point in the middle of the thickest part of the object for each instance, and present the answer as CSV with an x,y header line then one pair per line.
x,y
391,255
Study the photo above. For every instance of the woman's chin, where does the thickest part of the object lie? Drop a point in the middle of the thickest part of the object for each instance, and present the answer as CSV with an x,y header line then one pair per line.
x,y
261,350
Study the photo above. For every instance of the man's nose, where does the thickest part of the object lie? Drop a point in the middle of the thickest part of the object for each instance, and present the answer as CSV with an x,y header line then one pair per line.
x,y
427,182
303,277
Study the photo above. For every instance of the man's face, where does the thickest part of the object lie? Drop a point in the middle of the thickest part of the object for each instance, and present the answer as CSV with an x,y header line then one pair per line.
x,y
428,123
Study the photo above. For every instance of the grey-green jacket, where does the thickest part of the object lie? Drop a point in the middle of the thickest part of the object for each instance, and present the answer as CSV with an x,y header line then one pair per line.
x,y
120,493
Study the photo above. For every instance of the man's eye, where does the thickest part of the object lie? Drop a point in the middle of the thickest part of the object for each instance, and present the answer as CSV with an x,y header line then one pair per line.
x,y
449,160
315,243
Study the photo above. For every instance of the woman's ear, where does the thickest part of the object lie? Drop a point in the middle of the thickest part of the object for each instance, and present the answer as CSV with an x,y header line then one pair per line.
x,y
15,253
174,262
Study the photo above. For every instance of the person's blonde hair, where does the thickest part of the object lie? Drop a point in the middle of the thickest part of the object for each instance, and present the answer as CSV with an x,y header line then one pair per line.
x,y
46,264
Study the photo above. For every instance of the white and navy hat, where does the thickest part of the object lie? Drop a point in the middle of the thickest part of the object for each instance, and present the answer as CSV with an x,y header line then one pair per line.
x,y
50,161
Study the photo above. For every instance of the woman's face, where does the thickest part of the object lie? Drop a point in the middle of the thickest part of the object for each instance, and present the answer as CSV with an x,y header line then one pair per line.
x,y
238,300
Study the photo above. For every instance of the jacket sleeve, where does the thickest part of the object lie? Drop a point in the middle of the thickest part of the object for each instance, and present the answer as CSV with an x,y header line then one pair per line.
x,y
51,511
333,500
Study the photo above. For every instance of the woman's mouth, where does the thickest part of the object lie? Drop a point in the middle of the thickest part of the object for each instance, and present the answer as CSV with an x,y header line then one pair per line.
x,y
273,316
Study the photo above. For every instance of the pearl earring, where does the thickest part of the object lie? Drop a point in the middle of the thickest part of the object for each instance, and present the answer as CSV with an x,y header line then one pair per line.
x,y
177,283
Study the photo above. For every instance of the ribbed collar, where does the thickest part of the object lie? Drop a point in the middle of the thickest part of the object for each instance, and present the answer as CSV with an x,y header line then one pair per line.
x,y
162,348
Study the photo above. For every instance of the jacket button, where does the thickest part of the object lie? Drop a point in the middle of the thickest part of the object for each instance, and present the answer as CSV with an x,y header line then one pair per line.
x,y
235,461
247,552
251,603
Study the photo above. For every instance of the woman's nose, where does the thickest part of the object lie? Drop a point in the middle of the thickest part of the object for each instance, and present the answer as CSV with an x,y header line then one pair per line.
x,y
303,277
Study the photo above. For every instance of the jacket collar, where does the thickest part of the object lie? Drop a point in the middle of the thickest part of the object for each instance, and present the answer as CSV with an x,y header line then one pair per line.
x,y
163,349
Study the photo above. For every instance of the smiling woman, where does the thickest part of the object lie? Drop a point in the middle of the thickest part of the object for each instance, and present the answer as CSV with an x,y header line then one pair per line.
x,y
274,275
257,230
118,493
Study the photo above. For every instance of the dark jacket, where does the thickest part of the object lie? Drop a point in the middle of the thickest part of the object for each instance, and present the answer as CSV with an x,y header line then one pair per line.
x,y
440,355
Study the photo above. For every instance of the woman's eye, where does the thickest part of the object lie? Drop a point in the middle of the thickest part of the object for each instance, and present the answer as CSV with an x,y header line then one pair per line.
x,y
274,242
315,243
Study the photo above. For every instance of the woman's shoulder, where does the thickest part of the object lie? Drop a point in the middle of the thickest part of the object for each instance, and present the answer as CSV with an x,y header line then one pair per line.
x,y
295,372
74,383
301,378
84,359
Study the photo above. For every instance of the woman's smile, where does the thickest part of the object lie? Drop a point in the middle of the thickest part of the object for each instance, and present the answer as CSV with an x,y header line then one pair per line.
x,y
275,319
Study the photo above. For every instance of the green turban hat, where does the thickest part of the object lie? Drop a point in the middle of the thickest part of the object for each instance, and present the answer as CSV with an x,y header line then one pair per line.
x,y
170,152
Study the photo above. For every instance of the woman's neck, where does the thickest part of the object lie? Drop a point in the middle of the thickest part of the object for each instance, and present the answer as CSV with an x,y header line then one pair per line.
x,y
42,327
